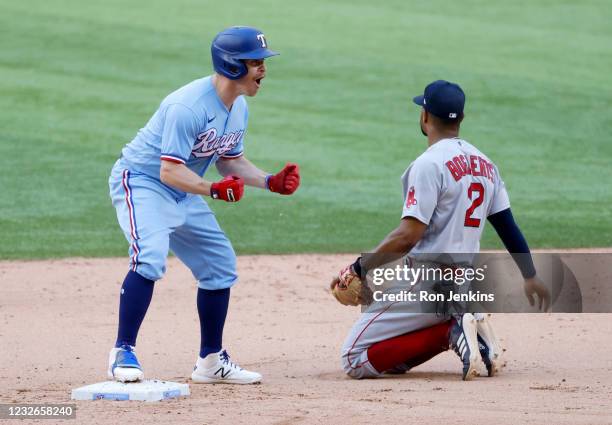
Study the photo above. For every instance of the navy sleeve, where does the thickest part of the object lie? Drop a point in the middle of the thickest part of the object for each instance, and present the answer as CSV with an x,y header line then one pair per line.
x,y
514,241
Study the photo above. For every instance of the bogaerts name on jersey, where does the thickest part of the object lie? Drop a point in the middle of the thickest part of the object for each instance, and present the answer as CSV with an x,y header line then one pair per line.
x,y
461,166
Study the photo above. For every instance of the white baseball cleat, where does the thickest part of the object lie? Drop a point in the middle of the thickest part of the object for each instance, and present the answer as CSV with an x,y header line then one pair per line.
x,y
217,368
464,340
488,344
123,366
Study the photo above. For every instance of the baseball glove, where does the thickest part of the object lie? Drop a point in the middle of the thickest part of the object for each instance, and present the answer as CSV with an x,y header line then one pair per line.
x,y
348,288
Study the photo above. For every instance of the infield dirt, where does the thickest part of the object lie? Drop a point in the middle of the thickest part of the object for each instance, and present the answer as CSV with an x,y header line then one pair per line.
x,y
59,321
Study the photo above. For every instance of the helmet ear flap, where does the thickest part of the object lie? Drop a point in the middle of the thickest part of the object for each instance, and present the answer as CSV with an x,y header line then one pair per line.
x,y
235,68
227,65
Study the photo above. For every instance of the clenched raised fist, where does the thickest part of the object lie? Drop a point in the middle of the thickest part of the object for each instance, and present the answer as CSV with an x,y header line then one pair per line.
x,y
286,181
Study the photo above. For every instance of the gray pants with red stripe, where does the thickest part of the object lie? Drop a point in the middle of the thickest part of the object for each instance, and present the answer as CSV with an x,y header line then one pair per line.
x,y
384,320
387,322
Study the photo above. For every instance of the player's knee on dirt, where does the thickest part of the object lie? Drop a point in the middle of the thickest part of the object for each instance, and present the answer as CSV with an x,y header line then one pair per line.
x,y
359,370
346,366
356,365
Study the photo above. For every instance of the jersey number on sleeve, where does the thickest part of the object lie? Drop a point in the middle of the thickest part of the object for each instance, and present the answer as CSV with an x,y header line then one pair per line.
x,y
476,202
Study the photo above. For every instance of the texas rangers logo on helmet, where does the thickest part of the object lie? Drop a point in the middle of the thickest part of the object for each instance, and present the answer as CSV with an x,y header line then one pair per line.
x,y
262,40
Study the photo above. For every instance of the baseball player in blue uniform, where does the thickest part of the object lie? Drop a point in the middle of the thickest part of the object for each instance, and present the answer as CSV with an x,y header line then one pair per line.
x,y
156,189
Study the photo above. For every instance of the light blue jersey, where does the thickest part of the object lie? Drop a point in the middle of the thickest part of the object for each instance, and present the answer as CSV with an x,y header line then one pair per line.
x,y
192,126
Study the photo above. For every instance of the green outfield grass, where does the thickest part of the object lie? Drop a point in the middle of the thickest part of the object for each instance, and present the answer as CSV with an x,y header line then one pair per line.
x,y
79,78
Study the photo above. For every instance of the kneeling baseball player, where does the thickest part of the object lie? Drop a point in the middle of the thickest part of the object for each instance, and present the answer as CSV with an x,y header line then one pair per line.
x,y
449,191
157,186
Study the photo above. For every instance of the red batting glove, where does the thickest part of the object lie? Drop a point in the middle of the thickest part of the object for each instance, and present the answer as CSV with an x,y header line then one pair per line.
x,y
230,189
286,181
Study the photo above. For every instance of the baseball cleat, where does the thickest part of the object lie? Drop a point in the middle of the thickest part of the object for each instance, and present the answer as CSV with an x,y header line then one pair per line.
x,y
217,368
489,347
464,340
123,365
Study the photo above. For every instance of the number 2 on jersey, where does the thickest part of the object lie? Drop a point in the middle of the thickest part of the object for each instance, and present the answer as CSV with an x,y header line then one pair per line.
x,y
476,202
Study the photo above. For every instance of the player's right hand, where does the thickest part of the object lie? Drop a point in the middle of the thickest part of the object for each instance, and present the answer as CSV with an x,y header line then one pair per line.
x,y
230,189
534,285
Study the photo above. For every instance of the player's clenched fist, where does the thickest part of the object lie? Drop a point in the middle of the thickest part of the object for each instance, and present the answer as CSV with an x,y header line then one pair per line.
x,y
286,181
230,189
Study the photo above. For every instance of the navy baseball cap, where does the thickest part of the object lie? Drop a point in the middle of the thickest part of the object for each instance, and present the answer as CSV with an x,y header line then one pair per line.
x,y
443,99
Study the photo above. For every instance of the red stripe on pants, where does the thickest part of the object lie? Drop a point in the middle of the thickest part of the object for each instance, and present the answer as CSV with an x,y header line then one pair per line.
x,y
412,348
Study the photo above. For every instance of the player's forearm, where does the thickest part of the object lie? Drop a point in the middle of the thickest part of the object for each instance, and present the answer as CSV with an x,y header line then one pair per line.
x,y
514,241
392,247
397,243
182,178
403,238
244,168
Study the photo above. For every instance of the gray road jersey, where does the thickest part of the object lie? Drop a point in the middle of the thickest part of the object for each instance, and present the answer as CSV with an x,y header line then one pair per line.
x,y
452,187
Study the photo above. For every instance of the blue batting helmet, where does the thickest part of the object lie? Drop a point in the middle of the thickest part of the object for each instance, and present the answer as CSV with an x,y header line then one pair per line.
x,y
235,44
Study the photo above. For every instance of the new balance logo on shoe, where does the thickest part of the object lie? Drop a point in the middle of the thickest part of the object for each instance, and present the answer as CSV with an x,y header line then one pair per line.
x,y
223,372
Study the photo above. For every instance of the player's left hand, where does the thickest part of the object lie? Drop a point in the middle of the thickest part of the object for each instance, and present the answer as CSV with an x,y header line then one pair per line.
x,y
533,286
286,181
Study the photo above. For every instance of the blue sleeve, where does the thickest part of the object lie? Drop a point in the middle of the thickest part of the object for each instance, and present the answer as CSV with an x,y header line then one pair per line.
x,y
179,133
514,241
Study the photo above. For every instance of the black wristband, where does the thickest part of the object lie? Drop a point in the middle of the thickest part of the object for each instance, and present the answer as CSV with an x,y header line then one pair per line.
x,y
357,266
